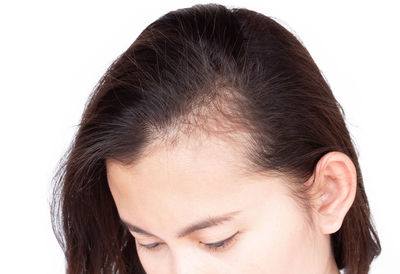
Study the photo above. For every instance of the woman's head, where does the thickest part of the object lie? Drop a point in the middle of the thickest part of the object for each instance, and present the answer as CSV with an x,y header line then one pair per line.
x,y
213,111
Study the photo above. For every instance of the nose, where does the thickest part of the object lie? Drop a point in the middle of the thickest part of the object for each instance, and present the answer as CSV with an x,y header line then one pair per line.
x,y
189,262
187,265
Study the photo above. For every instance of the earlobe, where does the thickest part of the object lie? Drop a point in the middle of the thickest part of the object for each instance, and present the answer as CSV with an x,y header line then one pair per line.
x,y
334,189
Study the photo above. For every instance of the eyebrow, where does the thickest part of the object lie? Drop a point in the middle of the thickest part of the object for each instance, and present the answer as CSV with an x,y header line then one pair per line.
x,y
202,224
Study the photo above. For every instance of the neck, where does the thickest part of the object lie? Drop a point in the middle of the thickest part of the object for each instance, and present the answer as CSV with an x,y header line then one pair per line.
x,y
331,267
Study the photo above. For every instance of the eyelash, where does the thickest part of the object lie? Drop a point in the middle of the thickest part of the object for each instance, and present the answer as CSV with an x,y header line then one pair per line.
x,y
224,244
214,247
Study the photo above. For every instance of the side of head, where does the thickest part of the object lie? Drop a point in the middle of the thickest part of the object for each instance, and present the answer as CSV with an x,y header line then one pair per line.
x,y
231,82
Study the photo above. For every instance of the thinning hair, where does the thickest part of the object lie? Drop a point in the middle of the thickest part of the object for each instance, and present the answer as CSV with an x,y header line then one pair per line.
x,y
205,69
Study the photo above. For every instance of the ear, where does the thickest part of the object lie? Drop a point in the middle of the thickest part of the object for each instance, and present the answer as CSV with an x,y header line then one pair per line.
x,y
335,182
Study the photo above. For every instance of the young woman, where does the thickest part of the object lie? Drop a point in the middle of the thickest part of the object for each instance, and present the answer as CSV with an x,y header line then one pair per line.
x,y
213,144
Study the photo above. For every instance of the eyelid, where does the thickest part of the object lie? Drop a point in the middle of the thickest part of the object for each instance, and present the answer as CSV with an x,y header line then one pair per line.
x,y
150,246
216,246
221,244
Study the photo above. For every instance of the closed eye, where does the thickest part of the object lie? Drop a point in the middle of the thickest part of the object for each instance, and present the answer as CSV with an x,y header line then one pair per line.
x,y
221,244
150,247
217,246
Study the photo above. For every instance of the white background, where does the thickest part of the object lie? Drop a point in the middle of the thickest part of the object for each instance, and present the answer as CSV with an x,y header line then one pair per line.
x,y
52,53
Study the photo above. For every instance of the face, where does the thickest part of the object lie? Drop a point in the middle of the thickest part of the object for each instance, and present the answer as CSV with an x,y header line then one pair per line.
x,y
191,210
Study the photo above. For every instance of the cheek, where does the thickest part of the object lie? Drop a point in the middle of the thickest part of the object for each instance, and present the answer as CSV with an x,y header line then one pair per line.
x,y
184,259
276,240
153,263
280,242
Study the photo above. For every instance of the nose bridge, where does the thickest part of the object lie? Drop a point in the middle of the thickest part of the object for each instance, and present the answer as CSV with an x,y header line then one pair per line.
x,y
186,261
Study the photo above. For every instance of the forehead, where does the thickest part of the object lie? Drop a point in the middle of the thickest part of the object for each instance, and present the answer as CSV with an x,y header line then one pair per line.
x,y
189,166
192,179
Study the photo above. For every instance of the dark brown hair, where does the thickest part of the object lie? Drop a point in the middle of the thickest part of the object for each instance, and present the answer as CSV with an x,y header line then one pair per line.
x,y
236,67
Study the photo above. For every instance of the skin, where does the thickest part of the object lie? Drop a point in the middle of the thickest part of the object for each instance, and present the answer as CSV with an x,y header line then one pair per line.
x,y
169,189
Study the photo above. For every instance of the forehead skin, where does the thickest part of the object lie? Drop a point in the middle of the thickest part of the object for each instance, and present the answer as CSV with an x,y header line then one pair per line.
x,y
192,181
169,189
